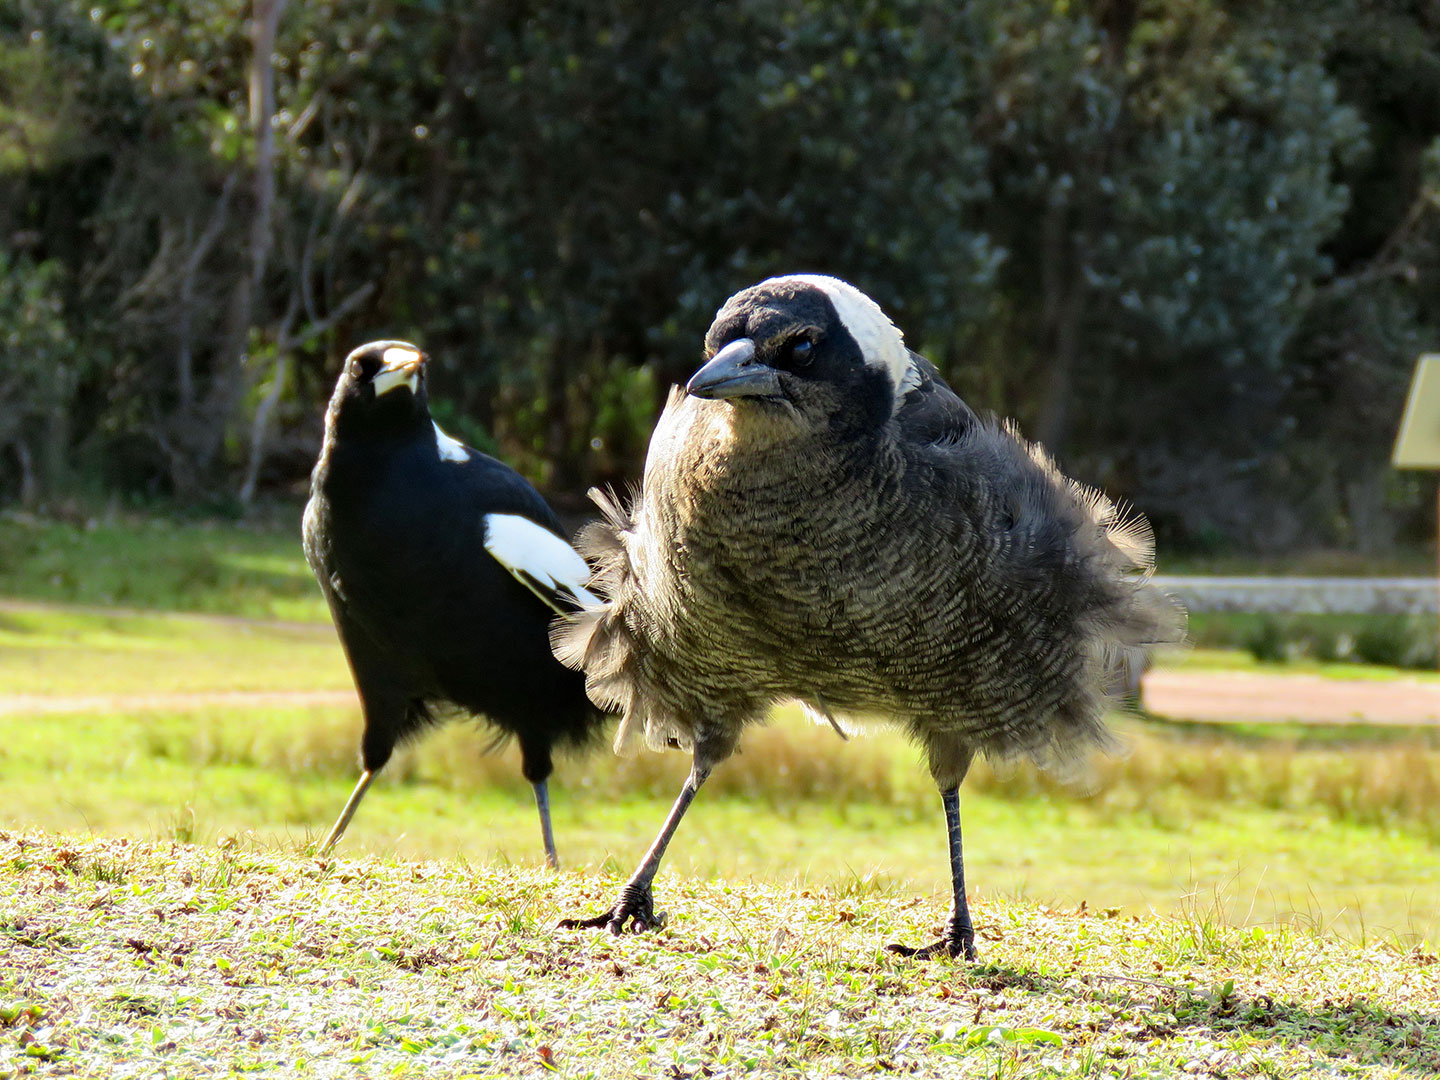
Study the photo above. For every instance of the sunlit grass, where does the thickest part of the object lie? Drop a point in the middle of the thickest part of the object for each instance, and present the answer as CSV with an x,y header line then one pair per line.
x,y
1336,828
1202,658
1347,837
68,652
127,958
161,563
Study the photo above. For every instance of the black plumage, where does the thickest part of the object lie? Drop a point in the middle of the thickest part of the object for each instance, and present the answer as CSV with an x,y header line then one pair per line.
x,y
443,569
823,519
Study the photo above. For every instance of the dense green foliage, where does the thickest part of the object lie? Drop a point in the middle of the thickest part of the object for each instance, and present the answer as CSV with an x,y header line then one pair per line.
x,y
1192,246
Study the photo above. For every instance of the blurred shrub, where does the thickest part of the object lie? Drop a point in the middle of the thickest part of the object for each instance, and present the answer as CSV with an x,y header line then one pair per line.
x,y
1268,642
1403,641
1398,642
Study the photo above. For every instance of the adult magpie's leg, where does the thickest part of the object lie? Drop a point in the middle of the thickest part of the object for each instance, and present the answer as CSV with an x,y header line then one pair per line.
x,y
959,939
343,821
542,803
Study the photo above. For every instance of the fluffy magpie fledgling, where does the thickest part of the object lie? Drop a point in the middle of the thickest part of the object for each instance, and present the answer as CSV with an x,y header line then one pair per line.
x,y
823,519
443,569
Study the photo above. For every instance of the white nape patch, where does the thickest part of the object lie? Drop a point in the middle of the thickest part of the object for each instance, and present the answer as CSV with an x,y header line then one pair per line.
x,y
451,449
880,340
536,556
396,355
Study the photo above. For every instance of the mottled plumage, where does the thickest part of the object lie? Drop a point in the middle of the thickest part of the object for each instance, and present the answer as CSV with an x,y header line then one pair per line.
x,y
443,569
823,519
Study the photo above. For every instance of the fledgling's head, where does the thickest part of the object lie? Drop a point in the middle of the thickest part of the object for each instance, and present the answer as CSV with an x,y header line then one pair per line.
x,y
381,391
813,344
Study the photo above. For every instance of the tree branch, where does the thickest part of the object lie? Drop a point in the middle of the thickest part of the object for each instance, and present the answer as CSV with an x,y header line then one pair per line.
x,y
285,343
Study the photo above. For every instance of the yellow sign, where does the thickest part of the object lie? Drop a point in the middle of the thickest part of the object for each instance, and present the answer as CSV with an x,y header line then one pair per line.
x,y
1418,444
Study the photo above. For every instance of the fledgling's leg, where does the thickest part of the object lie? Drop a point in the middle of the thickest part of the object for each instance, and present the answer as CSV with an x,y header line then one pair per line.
x,y
949,762
635,906
959,939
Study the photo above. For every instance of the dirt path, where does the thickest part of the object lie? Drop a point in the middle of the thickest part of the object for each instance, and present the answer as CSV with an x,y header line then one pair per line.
x,y
1218,696
1241,695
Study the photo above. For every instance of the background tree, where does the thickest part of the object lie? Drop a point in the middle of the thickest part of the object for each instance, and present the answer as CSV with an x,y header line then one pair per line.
x,y
1192,245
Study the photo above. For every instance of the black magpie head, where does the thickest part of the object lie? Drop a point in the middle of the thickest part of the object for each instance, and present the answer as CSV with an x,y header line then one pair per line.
x,y
812,344
381,391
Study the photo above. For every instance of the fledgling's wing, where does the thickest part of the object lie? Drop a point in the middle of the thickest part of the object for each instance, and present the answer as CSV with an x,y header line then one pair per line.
x,y
540,560
930,412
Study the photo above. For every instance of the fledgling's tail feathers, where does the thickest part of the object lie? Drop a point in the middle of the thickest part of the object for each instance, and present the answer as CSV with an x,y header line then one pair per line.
x,y
1121,615
596,640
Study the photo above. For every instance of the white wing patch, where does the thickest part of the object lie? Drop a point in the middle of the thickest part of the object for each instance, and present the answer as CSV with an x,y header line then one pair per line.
x,y
451,448
880,340
539,560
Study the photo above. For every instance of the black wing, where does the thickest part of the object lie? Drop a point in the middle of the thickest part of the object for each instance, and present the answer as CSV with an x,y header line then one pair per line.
x,y
931,412
551,569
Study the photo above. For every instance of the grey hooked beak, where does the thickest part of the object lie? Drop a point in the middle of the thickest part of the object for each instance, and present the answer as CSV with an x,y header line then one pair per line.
x,y
402,368
733,372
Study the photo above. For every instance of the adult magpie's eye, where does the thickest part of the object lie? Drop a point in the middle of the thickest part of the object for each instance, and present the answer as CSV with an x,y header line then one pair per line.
x,y
802,351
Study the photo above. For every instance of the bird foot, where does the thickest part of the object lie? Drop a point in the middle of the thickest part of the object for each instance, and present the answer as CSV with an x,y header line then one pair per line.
x,y
633,910
958,941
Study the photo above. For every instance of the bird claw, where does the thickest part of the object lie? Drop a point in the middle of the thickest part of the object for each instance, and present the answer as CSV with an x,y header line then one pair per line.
x,y
633,910
958,941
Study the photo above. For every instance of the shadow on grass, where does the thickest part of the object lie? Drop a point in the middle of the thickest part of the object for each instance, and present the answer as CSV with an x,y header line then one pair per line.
x,y
1352,1029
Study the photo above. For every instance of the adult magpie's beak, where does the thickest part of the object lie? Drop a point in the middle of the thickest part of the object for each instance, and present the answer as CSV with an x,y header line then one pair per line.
x,y
734,372
401,368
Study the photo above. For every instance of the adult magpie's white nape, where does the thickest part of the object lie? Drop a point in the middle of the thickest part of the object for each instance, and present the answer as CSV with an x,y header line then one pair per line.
x,y
443,569
823,519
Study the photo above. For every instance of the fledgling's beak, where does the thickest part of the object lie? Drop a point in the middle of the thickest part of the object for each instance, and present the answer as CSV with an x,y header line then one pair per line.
x,y
402,368
734,372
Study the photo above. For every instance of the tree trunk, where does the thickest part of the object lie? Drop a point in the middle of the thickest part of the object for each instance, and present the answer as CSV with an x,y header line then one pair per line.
x,y
55,449
558,422
265,23
260,429
29,491
1064,296
245,302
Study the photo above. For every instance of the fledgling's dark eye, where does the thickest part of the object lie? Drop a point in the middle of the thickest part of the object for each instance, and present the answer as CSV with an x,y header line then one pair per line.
x,y
802,351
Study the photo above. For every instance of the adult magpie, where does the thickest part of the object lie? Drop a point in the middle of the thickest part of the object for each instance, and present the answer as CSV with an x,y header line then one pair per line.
x,y
443,569
823,519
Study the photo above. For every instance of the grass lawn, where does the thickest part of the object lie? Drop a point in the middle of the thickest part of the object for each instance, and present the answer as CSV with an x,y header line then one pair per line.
x,y
162,563
1240,902
126,958
1263,832
1416,560
1270,825
59,651
1253,866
